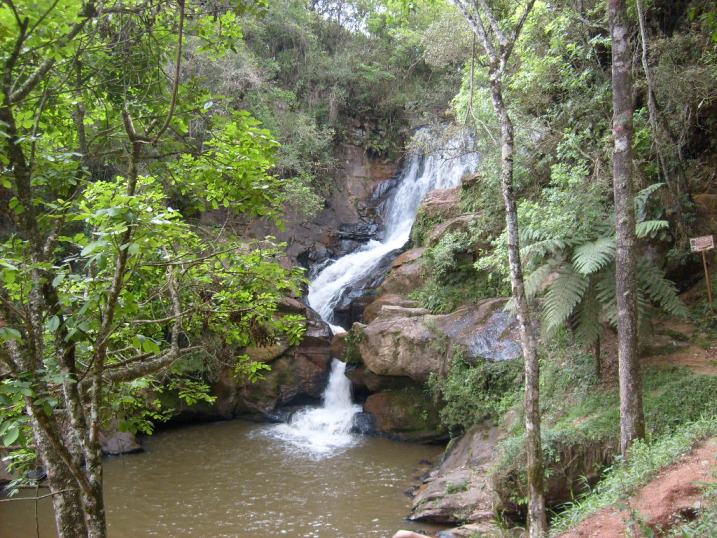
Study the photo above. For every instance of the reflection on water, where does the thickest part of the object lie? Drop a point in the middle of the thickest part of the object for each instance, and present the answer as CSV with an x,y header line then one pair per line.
x,y
228,479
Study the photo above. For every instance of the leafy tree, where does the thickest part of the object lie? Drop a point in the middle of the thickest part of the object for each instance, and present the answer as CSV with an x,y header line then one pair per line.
x,y
493,24
103,282
569,246
632,419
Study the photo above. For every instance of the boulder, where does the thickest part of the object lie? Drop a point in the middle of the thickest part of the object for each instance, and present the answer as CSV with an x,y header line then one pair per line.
x,y
460,489
366,382
406,414
442,203
115,442
406,274
412,343
298,375
372,310
409,534
460,223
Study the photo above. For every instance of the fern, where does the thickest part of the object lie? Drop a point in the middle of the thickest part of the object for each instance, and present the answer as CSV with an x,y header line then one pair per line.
x,y
535,280
563,295
588,317
591,257
641,199
659,289
648,228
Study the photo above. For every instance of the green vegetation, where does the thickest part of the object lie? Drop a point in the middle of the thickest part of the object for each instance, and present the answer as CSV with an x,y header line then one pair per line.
x,y
647,459
473,394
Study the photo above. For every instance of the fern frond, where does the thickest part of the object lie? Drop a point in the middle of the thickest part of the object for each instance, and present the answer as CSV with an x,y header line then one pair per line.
x,y
563,295
607,296
543,247
660,290
641,199
650,227
591,257
588,317
535,280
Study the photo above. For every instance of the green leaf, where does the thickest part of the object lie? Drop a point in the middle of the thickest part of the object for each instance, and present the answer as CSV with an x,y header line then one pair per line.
x,y
11,435
53,323
594,256
8,333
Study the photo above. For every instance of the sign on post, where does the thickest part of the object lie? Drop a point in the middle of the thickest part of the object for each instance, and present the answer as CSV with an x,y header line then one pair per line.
x,y
702,244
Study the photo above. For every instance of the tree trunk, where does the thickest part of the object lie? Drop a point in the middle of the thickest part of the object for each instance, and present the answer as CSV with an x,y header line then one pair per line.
x,y
537,521
66,505
632,422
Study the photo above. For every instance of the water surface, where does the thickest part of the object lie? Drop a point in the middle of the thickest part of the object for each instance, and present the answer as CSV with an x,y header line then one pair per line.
x,y
235,479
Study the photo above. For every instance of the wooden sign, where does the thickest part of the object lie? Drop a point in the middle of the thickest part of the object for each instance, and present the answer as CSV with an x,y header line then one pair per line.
x,y
700,244
703,244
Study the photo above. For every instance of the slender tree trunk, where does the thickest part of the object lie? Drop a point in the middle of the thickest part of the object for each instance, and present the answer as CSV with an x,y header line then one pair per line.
x,y
67,508
632,422
537,521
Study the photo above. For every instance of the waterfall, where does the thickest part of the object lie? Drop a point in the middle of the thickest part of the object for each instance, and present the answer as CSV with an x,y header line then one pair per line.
x,y
323,430
420,175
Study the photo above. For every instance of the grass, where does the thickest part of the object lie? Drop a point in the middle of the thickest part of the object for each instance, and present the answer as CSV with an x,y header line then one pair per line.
x,y
625,478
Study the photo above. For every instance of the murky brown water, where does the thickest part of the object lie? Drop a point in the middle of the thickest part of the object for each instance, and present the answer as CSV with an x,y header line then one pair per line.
x,y
229,479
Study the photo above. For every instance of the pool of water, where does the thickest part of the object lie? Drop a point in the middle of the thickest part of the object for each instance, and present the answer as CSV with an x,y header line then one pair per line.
x,y
237,479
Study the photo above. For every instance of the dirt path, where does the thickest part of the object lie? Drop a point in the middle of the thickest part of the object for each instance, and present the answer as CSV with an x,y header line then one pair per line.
x,y
672,495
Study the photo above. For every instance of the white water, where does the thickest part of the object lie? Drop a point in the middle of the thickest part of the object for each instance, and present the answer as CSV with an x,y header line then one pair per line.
x,y
419,176
325,430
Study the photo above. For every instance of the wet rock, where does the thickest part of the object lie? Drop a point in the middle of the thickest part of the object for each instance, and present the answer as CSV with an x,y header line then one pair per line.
x,y
350,306
338,346
409,534
405,414
460,489
115,442
363,423
442,203
372,310
406,274
410,342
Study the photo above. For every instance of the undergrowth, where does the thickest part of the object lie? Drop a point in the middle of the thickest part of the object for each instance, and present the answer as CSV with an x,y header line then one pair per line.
x,y
624,478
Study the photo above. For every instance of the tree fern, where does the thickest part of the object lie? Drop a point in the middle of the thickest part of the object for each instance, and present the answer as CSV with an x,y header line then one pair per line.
x,y
648,228
563,295
659,289
588,316
641,199
536,279
593,256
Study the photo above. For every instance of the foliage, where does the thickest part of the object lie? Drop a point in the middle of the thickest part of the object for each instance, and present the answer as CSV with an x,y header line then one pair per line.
x,y
569,250
581,417
474,393
451,279
107,288
646,461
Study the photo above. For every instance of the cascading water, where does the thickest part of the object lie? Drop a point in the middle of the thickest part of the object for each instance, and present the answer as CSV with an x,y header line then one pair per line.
x,y
323,430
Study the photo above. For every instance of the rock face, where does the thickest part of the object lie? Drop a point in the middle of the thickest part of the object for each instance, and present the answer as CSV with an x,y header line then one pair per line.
x,y
406,274
460,490
298,375
349,217
405,414
412,343
442,203
115,442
